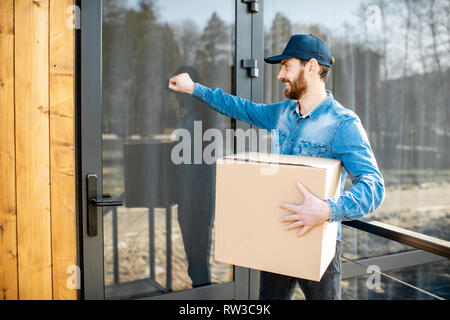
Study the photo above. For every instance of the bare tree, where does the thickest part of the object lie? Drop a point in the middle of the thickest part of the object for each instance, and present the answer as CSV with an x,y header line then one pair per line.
x,y
187,35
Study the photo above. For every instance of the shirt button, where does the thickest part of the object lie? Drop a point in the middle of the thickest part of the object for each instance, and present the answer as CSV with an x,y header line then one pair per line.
x,y
298,121
292,140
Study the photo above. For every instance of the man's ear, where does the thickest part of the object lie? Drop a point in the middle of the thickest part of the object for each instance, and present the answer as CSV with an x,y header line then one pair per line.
x,y
312,66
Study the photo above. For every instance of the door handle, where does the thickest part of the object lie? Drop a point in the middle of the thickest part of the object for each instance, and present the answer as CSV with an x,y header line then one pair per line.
x,y
93,204
112,203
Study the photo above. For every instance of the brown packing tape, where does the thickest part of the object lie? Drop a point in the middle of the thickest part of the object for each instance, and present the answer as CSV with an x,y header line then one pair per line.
x,y
274,163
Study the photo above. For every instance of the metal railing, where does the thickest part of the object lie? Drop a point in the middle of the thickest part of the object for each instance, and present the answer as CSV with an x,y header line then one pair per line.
x,y
152,273
411,238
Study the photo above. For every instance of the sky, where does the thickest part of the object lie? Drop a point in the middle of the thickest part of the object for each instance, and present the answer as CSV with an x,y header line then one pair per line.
x,y
330,12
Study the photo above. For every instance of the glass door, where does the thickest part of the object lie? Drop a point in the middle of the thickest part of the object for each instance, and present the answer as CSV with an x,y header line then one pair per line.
x,y
161,239
149,232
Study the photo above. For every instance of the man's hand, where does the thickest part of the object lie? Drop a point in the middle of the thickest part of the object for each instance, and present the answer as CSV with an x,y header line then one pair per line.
x,y
310,213
181,83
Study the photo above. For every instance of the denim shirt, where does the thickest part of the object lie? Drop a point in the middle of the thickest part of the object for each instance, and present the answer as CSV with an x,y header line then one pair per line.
x,y
327,131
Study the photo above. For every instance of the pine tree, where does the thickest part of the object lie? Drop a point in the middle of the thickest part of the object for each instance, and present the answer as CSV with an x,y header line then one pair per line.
x,y
212,57
280,33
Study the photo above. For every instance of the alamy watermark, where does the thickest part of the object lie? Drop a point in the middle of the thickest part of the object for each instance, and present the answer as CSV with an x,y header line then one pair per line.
x,y
373,18
73,22
190,148
374,280
73,281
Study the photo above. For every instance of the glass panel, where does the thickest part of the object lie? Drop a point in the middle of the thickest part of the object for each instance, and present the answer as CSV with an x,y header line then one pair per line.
x,y
162,238
425,281
357,244
392,66
422,282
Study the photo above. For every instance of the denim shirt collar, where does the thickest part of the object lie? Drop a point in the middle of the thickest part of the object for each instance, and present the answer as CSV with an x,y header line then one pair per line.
x,y
314,113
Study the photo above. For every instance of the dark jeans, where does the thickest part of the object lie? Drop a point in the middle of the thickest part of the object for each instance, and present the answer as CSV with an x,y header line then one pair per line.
x,y
279,287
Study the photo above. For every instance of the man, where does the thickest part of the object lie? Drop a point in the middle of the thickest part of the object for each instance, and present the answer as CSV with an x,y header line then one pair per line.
x,y
309,123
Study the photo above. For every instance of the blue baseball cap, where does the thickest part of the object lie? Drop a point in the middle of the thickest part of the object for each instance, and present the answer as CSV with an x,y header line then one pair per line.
x,y
305,47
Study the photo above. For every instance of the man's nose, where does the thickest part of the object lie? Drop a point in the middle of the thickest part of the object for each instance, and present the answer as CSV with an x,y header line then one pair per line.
x,y
280,76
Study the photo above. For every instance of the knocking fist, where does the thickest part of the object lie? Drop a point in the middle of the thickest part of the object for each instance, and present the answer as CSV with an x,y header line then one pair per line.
x,y
181,83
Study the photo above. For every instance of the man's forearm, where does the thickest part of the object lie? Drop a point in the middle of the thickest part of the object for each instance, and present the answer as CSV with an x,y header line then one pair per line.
x,y
363,198
238,108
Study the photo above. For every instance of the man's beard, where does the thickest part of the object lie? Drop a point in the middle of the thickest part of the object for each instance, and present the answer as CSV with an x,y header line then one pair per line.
x,y
297,88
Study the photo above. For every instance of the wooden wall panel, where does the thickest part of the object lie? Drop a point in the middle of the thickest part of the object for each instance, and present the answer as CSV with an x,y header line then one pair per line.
x,y
8,235
62,143
32,149
37,149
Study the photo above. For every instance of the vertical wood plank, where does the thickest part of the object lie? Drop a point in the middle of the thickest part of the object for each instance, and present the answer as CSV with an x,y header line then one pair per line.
x,y
62,147
8,234
32,149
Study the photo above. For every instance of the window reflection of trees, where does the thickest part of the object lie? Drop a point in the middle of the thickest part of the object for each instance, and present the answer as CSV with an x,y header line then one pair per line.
x,y
141,51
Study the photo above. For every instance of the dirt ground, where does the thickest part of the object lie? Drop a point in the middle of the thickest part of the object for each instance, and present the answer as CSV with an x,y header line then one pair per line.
x,y
133,248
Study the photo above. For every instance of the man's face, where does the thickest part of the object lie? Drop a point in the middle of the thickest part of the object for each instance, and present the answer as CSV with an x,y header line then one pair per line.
x,y
292,74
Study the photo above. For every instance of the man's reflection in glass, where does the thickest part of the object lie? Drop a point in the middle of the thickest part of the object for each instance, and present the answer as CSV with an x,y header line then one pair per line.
x,y
196,189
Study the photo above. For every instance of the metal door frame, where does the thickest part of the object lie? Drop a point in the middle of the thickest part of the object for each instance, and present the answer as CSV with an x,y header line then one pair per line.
x,y
248,44
89,90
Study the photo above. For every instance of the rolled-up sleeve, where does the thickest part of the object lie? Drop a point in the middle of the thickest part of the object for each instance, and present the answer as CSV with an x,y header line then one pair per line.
x,y
351,146
258,114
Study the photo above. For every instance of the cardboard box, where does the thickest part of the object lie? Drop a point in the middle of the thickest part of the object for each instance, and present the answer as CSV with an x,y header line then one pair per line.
x,y
249,189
